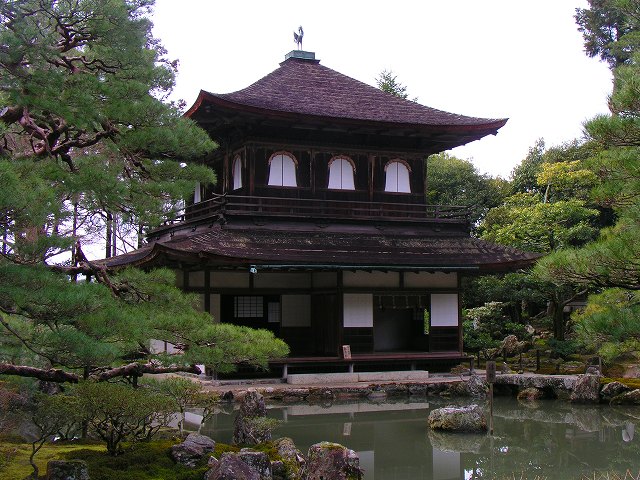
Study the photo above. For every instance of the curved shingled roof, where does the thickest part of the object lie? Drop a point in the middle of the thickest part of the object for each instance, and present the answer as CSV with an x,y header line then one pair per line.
x,y
240,246
304,87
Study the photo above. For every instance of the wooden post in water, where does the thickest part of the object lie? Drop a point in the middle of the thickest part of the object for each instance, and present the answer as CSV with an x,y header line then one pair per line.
x,y
491,378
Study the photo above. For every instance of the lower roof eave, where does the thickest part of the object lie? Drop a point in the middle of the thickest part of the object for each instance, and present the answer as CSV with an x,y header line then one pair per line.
x,y
351,267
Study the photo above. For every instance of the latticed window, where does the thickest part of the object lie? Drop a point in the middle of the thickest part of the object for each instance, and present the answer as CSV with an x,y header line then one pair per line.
x,y
282,170
341,172
248,307
397,177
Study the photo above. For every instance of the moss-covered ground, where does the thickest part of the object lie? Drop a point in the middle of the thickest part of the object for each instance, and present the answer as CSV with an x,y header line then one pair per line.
x,y
142,461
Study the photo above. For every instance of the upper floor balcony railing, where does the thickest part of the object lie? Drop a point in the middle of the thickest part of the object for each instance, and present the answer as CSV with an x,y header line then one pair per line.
x,y
324,209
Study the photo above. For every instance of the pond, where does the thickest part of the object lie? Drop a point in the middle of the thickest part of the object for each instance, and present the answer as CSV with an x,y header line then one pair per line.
x,y
545,440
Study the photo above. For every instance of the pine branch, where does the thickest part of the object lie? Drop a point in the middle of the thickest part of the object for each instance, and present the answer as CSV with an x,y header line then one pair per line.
x,y
138,369
46,375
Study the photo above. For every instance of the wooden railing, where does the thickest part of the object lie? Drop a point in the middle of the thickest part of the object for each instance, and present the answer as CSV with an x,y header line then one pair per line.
x,y
315,208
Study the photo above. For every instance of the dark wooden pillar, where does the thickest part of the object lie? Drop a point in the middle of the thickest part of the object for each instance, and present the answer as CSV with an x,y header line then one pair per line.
x,y
372,168
225,174
252,169
460,338
312,172
340,314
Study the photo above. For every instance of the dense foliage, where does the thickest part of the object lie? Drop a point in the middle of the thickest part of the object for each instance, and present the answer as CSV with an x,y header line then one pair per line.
x,y
86,136
609,267
454,181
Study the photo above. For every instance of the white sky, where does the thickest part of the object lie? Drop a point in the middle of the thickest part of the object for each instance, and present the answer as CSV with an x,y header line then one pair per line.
x,y
521,59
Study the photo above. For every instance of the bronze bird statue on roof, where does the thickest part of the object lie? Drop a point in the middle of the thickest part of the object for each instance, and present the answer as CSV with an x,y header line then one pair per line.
x,y
297,37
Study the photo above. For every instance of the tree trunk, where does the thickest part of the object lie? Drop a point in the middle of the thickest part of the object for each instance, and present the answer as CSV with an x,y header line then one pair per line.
x,y
557,313
109,225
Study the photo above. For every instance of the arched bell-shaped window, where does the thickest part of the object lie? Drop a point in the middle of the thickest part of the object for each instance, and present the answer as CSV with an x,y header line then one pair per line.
x,y
341,173
236,172
397,177
282,170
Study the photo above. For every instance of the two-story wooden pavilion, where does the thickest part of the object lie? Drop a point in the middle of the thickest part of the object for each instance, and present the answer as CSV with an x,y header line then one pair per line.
x,y
317,228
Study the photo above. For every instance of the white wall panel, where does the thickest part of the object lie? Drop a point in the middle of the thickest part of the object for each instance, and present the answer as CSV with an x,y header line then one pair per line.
x,y
358,310
444,310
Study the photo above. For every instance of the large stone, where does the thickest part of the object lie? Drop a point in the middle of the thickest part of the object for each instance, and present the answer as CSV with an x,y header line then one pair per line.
x,y
279,470
555,385
333,461
627,398
249,427
458,419
292,458
67,470
612,389
192,450
511,346
586,389
477,387
231,467
258,461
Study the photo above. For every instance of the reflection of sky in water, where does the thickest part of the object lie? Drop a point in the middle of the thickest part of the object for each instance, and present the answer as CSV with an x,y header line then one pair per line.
x,y
552,440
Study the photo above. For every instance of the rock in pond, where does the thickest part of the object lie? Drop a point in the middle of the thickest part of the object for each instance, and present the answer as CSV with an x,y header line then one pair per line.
x,y
258,461
67,470
192,450
613,389
586,389
458,419
333,461
292,459
627,398
247,429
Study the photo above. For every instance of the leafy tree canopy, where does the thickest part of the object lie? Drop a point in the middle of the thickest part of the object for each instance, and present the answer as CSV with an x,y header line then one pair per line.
x,y
610,265
549,210
609,29
454,181
84,129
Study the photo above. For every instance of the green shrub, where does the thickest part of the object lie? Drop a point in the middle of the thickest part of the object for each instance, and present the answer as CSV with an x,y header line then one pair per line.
x,y
118,413
142,461
563,348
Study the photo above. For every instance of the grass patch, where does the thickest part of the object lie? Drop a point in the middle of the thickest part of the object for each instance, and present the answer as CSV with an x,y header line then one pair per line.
x,y
142,461
224,448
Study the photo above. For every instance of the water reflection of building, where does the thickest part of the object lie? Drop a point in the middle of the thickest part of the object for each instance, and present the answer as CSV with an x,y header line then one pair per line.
x,y
390,438
394,443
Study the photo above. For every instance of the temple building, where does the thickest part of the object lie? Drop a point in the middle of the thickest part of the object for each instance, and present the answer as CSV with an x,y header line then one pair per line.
x,y
317,228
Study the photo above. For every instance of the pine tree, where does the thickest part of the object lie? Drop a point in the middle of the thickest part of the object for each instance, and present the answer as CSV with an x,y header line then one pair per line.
x,y
85,129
